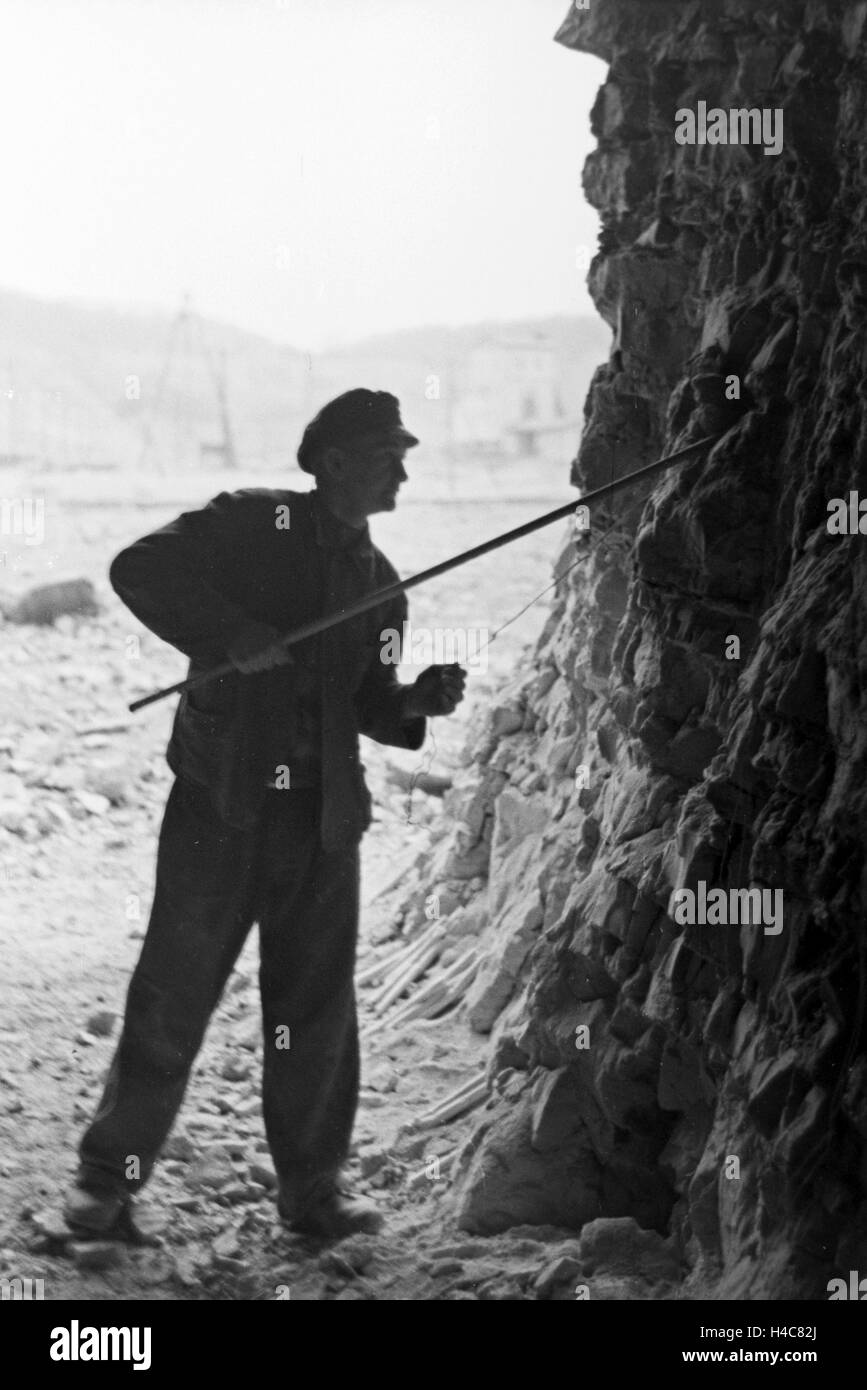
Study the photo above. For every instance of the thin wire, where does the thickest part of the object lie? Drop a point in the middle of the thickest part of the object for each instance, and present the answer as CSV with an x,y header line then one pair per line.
x,y
554,582
430,752
424,766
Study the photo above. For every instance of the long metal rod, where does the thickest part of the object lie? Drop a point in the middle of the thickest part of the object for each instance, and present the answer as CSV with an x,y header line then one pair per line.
x,y
378,596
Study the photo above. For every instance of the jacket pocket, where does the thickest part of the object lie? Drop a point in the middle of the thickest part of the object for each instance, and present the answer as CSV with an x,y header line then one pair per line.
x,y
202,744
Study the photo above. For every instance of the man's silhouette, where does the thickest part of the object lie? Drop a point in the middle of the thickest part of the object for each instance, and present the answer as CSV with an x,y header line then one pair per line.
x,y
268,806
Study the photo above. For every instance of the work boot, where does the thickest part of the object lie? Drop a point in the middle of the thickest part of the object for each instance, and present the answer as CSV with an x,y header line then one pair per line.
x,y
95,1213
322,1210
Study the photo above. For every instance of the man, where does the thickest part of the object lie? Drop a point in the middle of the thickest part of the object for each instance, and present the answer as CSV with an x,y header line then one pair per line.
x,y
265,816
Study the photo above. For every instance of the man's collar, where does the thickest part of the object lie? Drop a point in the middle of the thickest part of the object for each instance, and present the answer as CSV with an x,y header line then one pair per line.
x,y
334,534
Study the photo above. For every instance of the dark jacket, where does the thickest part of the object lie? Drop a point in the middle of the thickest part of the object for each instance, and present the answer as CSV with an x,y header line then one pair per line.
x,y
198,580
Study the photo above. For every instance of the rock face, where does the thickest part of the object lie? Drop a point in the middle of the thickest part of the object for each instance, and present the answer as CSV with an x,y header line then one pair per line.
x,y
695,714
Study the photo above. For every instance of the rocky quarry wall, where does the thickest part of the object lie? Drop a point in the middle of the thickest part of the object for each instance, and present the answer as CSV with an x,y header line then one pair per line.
x,y
632,1057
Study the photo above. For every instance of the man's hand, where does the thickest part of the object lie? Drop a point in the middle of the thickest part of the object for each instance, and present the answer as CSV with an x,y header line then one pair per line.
x,y
438,690
255,648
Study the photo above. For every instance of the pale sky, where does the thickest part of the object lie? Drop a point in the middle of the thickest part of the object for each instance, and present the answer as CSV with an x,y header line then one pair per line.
x,y
315,170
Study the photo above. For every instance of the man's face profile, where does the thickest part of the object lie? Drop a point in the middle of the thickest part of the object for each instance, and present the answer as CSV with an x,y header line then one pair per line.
x,y
368,473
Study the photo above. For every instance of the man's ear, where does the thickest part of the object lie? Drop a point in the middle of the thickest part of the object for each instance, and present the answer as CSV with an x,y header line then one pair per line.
x,y
333,464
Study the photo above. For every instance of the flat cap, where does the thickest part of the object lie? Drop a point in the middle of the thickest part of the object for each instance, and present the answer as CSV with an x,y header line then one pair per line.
x,y
355,413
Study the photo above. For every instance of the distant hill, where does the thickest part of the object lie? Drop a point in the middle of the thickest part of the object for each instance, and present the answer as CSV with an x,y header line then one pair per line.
x,y
570,334
84,385
87,380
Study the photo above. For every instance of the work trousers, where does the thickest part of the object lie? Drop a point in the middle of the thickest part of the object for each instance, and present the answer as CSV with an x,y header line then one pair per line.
x,y
212,883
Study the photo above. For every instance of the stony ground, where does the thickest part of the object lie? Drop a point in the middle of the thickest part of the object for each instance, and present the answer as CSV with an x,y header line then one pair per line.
x,y
82,785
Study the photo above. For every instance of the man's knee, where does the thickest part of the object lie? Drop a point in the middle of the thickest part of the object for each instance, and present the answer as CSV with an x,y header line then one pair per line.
x,y
162,1031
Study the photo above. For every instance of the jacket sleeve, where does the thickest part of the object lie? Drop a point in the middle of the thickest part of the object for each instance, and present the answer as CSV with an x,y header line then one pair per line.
x,y
168,580
380,696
